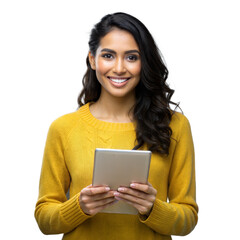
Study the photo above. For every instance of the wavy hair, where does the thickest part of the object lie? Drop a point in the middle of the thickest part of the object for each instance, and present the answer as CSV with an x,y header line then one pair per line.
x,y
152,111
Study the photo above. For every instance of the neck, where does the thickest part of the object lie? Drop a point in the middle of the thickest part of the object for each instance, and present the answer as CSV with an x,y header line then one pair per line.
x,y
114,109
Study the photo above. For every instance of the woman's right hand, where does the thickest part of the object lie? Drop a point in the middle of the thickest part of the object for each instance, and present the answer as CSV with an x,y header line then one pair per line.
x,y
94,199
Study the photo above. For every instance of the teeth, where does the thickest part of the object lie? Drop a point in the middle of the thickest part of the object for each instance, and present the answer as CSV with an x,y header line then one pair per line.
x,y
119,80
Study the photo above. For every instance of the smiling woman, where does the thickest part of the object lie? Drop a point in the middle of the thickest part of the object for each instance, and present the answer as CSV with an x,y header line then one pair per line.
x,y
117,64
124,104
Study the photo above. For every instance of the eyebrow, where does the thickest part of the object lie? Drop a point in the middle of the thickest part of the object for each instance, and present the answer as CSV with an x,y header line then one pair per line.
x,y
112,51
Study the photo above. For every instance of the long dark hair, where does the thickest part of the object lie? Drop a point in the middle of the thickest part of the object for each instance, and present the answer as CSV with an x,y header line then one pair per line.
x,y
151,111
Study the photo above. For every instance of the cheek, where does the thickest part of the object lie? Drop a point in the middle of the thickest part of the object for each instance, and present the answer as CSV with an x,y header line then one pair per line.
x,y
103,66
135,69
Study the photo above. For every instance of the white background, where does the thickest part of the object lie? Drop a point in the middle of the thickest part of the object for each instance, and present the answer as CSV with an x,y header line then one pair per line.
x,y
43,46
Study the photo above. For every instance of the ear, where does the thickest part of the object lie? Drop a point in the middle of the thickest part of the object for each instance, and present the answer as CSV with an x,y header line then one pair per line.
x,y
91,59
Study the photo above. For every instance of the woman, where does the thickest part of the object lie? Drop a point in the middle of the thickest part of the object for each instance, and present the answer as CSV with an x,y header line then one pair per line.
x,y
124,104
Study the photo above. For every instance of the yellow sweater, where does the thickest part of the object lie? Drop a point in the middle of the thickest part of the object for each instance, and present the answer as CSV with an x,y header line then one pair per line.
x,y
68,164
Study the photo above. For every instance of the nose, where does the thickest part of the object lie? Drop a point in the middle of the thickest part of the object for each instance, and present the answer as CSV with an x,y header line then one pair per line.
x,y
119,66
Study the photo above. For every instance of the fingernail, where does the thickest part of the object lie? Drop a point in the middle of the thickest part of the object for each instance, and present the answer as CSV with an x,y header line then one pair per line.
x,y
121,189
107,188
133,185
116,194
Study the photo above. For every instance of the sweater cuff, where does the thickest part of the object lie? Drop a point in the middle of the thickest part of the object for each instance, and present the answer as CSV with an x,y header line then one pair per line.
x,y
72,212
159,216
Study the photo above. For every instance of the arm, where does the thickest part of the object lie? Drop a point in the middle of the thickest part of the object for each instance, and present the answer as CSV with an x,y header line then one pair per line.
x,y
54,213
179,216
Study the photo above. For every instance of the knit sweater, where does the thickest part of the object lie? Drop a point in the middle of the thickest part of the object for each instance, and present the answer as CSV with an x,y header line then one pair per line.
x,y
68,166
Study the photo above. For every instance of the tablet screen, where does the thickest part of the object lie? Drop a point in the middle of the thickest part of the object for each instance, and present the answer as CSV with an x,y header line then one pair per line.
x,y
115,168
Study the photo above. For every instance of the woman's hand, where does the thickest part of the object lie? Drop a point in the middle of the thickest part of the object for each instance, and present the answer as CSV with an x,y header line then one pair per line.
x,y
141,196
94,199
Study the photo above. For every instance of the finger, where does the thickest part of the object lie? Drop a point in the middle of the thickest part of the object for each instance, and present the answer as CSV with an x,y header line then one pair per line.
x,y
147,201
100,208
150,195
142,209
102,202
131,192
96,197
147,188
135,195
95,190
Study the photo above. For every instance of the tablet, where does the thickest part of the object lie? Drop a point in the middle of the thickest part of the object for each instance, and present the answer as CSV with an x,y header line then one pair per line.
x,y
115,168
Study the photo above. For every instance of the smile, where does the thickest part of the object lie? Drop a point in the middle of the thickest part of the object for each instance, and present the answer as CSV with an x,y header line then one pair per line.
x,y
118,80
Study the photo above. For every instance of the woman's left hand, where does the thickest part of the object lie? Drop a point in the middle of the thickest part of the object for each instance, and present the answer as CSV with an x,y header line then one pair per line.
x,y
141,196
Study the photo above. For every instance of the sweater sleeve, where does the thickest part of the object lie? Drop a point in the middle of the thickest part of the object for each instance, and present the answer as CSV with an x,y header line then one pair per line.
x,y
179,215
54,213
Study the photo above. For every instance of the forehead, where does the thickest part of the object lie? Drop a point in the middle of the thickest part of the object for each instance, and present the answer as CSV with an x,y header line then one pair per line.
x,y
118,39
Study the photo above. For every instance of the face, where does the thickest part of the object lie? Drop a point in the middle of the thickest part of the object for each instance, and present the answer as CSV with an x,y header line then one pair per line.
x,y
117,63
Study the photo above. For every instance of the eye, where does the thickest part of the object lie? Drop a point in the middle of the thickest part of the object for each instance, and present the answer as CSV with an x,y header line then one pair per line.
x,y
107,55
132,58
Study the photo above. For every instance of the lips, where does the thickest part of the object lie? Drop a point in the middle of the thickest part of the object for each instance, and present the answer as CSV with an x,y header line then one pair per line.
x,y
118,80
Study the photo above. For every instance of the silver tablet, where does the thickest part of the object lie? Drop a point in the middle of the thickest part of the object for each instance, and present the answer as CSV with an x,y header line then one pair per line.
x,y
115,168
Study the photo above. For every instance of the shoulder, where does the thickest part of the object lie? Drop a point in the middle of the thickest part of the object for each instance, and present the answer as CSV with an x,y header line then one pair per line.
x,y
64,124
179,125
69,121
